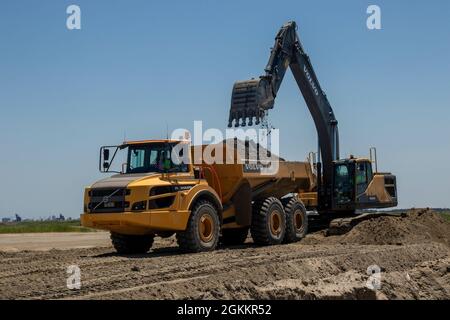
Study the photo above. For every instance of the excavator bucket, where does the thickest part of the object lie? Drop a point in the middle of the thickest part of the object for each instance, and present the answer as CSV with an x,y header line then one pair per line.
x,y
250,100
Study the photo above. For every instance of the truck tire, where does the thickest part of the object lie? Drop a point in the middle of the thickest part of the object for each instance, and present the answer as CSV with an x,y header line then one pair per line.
x,y
127,244
234,237
202,232
296,221
268,222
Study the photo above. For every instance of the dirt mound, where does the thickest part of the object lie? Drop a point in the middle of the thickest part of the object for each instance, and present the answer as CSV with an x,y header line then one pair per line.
x,y
417,226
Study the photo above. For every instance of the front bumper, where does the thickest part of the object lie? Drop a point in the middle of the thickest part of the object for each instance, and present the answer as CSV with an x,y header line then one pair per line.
x,y
137,223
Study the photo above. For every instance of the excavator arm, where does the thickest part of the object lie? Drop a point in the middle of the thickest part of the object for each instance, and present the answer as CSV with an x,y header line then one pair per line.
x,y
253,98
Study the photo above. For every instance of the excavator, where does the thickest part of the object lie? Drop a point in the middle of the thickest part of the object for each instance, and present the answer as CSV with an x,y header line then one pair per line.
x,y
343,184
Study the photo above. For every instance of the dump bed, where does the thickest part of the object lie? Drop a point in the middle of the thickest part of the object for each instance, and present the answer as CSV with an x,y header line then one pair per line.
x,y
271,176
290,178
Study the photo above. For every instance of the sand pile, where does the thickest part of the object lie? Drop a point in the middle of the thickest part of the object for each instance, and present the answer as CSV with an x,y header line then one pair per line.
x,y
418,226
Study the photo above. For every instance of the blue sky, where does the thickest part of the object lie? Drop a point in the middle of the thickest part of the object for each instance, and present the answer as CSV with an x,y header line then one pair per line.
x,y
137,66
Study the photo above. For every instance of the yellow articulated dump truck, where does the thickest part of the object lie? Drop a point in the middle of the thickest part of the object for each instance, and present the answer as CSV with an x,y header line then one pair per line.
x,y
203,204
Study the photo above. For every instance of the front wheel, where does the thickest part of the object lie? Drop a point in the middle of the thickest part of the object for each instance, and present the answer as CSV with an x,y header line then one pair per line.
x,y
202,232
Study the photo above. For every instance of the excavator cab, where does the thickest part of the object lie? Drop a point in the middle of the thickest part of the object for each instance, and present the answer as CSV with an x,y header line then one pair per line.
x,y
357,186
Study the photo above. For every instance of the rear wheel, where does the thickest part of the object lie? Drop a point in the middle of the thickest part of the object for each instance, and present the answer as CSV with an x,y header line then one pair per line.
x,y
202,232
268,222
233,237
129,244
296,221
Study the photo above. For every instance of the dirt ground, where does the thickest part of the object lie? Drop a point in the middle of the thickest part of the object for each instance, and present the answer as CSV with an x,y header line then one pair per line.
x,y
412,253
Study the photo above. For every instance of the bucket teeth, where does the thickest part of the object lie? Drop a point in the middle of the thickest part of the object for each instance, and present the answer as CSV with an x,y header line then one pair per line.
x,y
249,101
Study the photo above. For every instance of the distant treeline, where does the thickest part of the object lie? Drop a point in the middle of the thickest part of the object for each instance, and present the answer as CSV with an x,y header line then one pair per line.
x,y
42,226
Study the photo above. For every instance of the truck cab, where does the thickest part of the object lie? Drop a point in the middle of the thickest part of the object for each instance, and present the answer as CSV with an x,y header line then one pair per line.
x,y
148,193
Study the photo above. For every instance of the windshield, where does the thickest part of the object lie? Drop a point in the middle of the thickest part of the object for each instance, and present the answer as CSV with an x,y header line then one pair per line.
x,y
154,157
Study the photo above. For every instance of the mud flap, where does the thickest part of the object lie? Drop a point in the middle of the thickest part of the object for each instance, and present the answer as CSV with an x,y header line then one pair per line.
x,y
242,201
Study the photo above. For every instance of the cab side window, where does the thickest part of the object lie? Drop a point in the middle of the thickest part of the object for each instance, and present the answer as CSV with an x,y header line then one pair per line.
x,y
137,160
341,174
361,176
369,172
343,184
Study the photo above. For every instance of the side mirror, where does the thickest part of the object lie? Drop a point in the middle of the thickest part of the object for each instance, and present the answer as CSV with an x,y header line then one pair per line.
x,y
105,155
106,159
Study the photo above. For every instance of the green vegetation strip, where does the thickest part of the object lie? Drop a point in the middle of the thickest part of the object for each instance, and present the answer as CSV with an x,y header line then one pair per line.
x,y
446,216
43,226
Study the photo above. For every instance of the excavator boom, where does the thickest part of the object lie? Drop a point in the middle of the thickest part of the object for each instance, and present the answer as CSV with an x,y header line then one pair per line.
x,y
253,98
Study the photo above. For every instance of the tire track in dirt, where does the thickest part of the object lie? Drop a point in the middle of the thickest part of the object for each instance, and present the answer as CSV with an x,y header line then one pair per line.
x,y
412,252
155,272
107,276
